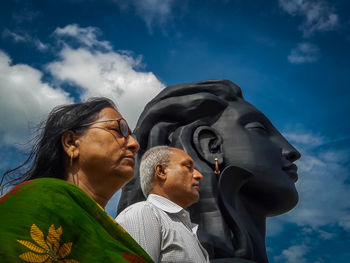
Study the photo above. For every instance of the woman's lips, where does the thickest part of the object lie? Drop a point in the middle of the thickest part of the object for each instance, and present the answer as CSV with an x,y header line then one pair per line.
x,y
129,158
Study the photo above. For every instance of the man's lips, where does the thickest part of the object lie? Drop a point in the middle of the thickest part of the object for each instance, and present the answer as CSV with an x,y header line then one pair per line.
x,y
196,186
292,171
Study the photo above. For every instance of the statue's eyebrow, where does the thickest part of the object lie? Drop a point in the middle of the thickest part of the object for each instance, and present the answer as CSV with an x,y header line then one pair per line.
x,y
254,116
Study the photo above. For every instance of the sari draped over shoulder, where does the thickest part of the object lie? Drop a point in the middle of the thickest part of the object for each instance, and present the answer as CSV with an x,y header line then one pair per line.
x,y
51,220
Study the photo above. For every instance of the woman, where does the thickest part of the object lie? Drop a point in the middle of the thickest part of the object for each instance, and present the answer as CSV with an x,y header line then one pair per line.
x,y
83,156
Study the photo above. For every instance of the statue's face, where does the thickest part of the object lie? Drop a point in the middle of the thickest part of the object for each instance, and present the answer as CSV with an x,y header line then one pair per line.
x,y
251,142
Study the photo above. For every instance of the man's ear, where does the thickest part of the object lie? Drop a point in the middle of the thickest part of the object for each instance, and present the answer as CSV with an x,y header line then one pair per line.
x,y
159,172
69,144
208,144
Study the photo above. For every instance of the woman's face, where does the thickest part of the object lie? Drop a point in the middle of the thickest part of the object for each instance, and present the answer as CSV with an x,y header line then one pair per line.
x,y
104,153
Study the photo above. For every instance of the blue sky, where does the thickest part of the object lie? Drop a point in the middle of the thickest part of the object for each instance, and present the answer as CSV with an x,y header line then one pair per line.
x,y
290,57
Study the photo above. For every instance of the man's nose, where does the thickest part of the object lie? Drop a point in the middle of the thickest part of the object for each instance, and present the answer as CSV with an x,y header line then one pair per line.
x,y
197,175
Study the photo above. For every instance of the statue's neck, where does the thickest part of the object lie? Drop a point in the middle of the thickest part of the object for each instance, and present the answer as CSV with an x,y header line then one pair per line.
x,y
254,221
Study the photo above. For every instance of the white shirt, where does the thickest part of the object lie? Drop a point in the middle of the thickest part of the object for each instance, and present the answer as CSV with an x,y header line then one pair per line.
x,y
164,230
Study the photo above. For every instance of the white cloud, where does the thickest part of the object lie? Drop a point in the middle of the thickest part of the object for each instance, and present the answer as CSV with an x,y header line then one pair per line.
x,y
93,66
303,53
305,138
16,37
294,254
24,99
86,36
326,235
25,38
324,193
40,45
106,73
151,11
318,16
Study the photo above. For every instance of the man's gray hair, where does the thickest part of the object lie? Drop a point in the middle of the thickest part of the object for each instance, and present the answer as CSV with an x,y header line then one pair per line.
x,y
154,156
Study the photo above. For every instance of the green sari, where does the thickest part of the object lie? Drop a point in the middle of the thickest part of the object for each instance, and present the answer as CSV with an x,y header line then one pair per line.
x,y
51,220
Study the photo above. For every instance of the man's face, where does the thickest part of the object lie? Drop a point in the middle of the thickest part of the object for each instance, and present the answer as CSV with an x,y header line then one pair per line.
x,y
251,142
182,180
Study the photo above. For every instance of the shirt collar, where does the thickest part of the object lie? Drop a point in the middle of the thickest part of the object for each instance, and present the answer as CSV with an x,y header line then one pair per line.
x,y
172,208
164,204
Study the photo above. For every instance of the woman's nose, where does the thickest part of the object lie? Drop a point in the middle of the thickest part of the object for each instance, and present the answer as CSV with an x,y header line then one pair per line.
x,y
132,144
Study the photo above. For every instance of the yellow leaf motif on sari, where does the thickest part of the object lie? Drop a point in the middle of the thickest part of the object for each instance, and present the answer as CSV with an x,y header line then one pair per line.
x,y
48,250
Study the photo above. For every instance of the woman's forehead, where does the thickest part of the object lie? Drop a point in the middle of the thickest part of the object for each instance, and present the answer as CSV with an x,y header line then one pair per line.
x,y
109,113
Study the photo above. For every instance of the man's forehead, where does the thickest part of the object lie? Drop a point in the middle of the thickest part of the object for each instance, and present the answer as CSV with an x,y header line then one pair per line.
x,y
179,155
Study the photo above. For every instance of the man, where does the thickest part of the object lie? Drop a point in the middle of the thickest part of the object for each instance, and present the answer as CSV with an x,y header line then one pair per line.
x,y
161,225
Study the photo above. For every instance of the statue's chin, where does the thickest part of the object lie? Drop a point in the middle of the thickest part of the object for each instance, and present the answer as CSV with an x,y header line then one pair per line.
x,y
283,206
274,202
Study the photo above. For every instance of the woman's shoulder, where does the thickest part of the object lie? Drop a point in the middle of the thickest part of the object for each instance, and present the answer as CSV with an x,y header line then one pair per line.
x,y
33,188
42,184
45,193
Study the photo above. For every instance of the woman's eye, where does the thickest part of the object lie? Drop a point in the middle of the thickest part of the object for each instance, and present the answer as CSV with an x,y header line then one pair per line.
x,y
256,126
115,129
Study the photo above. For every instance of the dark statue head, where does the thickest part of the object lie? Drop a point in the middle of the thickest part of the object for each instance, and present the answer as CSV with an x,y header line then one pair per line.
x,y
210,119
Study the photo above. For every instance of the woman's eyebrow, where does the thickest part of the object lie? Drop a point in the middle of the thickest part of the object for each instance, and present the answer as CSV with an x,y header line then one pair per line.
x,y
112,123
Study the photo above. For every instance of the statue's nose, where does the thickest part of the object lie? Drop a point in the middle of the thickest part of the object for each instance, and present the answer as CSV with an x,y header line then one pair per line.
x,y
290,153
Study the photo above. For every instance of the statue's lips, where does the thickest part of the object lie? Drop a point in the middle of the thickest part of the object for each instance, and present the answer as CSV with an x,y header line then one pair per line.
x,y
292,171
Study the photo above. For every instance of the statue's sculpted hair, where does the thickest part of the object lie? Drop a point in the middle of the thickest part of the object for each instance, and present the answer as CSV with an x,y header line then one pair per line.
x,y
177,109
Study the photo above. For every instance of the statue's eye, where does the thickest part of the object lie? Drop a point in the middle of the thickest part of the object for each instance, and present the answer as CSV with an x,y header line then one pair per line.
x,y
257,126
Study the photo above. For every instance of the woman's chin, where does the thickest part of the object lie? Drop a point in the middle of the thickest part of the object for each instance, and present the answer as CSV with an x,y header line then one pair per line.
x,y
127,173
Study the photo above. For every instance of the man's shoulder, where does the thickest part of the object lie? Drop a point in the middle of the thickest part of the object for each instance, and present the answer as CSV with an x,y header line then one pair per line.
x,y
138,209
138,205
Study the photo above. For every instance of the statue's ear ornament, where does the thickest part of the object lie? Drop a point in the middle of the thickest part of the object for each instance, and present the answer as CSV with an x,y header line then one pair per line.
x,y
217,170
208,143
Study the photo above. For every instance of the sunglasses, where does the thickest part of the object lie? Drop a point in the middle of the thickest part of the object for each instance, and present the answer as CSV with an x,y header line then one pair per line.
x,y
123,126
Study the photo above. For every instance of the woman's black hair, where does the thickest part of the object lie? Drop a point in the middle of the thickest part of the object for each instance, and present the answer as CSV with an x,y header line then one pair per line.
x,y
46,156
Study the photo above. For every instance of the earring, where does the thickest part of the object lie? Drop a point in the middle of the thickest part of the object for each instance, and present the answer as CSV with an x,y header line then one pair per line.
x,y
71,159
216,171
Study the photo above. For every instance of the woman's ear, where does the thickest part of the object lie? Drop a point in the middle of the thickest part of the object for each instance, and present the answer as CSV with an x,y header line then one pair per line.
x,y
69,144
208,144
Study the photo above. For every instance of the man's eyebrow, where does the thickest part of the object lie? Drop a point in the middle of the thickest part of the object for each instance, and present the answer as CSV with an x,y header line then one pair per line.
x,y
190,162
